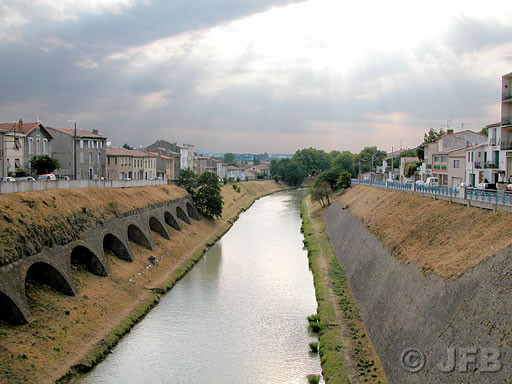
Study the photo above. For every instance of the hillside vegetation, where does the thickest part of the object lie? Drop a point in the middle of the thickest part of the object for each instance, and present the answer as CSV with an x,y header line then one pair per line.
x,y
435,235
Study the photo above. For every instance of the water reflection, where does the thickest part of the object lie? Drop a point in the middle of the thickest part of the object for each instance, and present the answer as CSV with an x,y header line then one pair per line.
x,y
238,317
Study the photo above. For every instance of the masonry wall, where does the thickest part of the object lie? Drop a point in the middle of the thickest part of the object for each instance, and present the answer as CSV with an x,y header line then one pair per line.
x,y
403,308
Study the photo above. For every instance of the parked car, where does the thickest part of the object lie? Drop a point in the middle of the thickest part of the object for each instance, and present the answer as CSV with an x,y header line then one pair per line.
x,y
420,183
49,176
409,183
488,186
25,178
432,182
8,178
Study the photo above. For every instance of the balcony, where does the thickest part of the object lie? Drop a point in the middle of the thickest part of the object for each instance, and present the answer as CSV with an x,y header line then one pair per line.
x,y
506,145
507,96
506,121
490,165
492,141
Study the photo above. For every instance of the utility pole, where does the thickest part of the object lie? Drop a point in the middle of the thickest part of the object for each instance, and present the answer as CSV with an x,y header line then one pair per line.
x,y
392,163
74,153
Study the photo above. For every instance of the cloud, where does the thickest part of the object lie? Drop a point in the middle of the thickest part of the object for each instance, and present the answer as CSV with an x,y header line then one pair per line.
x,y
253,75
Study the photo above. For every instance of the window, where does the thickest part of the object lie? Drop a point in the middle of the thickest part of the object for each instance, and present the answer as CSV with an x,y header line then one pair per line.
x,y
90,158
456,163
38,146
81,157
30,146
115,160
17,143
101,144
443,159
17,163
8,163
45,146
469,157
81,144
436,159
98,157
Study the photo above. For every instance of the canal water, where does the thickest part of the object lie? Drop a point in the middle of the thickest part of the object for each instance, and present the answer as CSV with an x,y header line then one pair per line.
x,y
240,315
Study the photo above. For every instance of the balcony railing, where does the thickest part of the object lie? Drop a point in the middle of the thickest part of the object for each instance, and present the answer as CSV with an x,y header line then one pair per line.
x,y
492,141
507,96
490,165
506,121
506,145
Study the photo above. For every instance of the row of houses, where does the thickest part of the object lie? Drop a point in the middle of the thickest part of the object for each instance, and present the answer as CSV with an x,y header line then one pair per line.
x,y
85,155
465,156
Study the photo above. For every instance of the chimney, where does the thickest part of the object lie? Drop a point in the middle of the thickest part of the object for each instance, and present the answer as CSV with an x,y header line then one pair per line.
x,y
449,132
95,131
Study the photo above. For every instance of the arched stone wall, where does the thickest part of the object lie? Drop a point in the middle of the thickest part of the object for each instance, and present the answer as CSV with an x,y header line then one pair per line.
x,y
136,235
114,244
81,256
156,226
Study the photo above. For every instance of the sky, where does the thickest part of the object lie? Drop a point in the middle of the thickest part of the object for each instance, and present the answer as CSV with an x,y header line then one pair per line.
x,y
255,75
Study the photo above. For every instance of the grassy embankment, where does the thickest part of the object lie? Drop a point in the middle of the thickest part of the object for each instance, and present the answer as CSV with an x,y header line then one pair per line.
x,y
68,335
345,350
435,235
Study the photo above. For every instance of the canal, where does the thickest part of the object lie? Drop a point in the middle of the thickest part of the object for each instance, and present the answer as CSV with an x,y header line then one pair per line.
x,y
238,317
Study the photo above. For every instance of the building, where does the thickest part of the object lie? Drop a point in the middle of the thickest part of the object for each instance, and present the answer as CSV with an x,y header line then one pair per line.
x,y
166,148
20,143
165,167
451,146
130,164
200,164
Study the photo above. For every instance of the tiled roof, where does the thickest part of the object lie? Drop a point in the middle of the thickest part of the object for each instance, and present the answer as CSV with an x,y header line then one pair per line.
x,y
26,128
79,132
120,151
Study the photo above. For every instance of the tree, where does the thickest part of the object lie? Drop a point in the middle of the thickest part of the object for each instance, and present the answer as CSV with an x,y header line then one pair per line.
x,y
428,138
411,167
312,160
127,146
368,156
484,131
322,189
344,161
294,173
344,180
229,158
187,180
207,195
44,164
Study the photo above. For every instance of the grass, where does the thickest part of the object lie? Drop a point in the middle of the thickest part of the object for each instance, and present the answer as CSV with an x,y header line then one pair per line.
x,y
331,345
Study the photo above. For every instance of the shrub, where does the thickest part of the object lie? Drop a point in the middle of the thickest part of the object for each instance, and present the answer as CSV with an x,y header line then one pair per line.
x,y
235,186
313,379
313,347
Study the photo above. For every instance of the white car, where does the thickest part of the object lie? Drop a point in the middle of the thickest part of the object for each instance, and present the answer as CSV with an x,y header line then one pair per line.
x,y
432,182
8,178
420,183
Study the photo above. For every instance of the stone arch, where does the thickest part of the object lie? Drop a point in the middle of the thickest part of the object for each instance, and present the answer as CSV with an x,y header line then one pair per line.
x,y
156,226
137,236
113,244
9,311
82,256
171,220
42,272
192,211
182,215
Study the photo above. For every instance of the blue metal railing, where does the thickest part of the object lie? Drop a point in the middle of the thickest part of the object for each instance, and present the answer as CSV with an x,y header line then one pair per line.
x,y
468,194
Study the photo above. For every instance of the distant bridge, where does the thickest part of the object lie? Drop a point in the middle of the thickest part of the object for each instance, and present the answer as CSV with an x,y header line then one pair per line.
x,y
53,265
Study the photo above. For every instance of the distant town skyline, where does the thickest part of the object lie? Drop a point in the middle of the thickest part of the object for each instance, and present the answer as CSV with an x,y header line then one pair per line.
x,y
242,76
